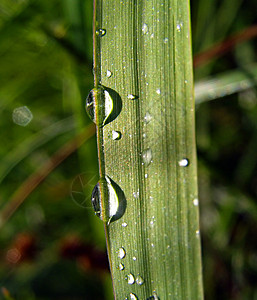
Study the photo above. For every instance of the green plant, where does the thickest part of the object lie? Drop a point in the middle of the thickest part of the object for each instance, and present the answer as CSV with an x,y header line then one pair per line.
x,y
142,58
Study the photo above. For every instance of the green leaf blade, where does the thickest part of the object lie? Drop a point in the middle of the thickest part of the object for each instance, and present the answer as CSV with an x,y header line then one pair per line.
x,y
147,49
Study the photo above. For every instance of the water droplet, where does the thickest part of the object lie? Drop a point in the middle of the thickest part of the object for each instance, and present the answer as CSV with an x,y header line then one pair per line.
x,y
133,296
116,135
146,176
139,280
134,258
152,36
130,278
108,200
147,157
124,224
121,253
103,105
147,118
145,28
108,73
183,162
197,233
132,97
195,202
158,91
166,40
22,116
100,32
136,194
121,267
178,27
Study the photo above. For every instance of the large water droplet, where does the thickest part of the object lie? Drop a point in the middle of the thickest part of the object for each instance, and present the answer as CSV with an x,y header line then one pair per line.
x,y
139,280
147,156
183,162
108,200
130,278
22,116
100,32
121,253
103,105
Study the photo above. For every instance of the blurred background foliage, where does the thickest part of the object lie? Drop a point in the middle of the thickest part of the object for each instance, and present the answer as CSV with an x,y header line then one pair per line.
x,y
51,244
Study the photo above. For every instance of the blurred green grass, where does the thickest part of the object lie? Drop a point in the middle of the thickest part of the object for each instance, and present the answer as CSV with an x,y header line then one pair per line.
x,y
51,247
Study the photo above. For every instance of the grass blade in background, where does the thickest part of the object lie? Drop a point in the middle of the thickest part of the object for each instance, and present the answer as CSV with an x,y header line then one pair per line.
x,y
143,54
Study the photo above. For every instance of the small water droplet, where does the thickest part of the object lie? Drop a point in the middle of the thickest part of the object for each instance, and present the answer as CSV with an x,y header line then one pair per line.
x,y
147,118
133,296
134,258
121,253
130,278
186,81
139,280
103,105
183,162
146,176
147,157
145,29
136,194
195,202
166,40
178,27
197,233
158,91
108,73
121,267
22,116
116,135
124,224
152,36
100,32
132,97
108,200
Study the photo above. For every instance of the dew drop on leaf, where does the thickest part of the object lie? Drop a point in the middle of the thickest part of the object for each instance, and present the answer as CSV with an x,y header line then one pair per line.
x,y
108,73
147,157
103,105
116,135
183,162
108,200
132,296
145,29
100,32
132,97
121,253
139,280
121,267
147,118
130,278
